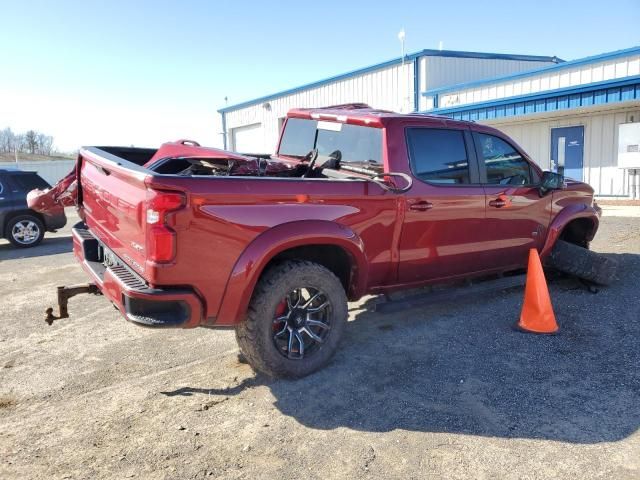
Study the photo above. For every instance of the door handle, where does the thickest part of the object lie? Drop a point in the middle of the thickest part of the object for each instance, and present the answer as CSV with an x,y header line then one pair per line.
x,y
421,206
500,202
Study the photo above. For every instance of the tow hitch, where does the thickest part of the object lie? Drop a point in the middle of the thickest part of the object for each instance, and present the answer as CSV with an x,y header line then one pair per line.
x,y
64,294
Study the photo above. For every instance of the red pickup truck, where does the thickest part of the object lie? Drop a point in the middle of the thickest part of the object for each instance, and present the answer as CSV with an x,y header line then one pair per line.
x,y
355,201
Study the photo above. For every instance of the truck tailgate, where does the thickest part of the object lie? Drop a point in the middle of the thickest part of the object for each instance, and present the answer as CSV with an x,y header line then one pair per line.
x,y
112,196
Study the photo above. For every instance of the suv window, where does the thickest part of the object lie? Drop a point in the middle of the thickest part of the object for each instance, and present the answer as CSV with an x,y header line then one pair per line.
x,y
356,144
438,155
28,181
503,163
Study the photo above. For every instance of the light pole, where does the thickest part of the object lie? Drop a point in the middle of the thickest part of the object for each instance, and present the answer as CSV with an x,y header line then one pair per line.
x,y
401,37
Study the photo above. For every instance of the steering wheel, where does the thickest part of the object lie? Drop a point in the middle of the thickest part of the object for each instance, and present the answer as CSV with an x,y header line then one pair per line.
x,y
313,156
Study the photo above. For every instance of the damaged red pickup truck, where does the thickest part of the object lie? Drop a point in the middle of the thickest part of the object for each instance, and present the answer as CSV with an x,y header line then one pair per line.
x,y
355,201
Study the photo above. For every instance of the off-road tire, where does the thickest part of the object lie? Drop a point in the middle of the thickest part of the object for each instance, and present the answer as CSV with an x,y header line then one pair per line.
x,y
582,263
24,218
255,333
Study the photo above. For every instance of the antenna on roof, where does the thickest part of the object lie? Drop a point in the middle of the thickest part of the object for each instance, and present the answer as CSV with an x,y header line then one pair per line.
x,y
401,37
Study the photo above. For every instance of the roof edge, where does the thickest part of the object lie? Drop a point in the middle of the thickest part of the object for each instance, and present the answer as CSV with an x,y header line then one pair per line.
x,y
388,63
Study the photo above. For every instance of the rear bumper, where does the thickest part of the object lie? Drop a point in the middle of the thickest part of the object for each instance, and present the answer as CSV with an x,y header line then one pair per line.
x,y
138,303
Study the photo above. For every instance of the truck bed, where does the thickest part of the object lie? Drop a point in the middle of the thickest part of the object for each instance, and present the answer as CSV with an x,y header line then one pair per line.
x,y
227,203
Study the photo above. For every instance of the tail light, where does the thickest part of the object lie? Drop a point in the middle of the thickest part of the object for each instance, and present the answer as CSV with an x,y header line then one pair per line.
x,y
161,238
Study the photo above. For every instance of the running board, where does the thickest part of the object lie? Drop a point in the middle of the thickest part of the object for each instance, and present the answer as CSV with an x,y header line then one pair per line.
x,y
451,293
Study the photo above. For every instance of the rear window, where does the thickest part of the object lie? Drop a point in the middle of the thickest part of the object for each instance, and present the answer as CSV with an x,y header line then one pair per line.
x,y
356,144
29,181
438,155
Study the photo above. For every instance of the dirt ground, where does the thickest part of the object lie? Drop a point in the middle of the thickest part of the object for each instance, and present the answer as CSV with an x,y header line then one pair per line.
x,y
444,391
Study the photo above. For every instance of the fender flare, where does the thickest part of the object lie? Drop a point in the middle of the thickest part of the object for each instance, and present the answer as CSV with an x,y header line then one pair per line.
x,y
566,216
267,245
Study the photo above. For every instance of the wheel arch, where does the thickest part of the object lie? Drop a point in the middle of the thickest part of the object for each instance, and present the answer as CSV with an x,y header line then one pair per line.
x,y
314,240
575,223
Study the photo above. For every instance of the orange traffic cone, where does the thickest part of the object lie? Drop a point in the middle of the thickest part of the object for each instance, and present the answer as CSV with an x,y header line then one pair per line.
x,y
537,313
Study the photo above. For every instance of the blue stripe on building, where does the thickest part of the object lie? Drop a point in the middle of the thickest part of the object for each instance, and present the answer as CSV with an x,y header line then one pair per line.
x,y
600,93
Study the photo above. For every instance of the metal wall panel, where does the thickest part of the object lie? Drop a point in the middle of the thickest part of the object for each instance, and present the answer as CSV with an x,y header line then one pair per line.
x,y
553,79
389,88
442,71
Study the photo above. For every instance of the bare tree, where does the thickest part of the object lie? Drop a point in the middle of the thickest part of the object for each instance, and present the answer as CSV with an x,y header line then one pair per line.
x,y
45,143
7,141
31,140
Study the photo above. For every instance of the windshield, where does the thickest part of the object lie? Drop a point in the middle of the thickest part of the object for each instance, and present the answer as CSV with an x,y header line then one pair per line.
x,y
359,146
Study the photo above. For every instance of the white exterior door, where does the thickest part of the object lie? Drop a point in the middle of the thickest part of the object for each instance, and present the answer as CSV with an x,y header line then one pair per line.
x,y
248,139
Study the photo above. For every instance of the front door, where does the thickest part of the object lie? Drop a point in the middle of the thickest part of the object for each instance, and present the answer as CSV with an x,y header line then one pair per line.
x,y
567,149
517,217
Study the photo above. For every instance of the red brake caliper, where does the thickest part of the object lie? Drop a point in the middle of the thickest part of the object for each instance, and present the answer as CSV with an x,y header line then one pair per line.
x,y
280,309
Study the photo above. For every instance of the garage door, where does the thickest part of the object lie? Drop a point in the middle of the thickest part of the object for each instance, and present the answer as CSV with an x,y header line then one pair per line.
x,y
248,139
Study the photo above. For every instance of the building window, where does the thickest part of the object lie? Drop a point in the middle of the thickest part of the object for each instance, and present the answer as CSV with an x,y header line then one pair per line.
x,y
438,155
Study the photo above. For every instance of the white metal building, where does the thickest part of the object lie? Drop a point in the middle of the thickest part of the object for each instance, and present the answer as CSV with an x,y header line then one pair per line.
x,y
254,126
566,115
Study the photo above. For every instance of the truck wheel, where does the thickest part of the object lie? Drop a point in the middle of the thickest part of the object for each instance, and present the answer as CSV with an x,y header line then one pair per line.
x,y
295,320
582,263
25,231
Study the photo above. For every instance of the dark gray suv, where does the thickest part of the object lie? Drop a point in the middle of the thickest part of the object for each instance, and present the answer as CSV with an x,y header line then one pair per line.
x,y
20,225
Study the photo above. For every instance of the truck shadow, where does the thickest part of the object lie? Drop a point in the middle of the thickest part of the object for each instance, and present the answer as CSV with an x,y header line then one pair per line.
x,y
49,246
460,368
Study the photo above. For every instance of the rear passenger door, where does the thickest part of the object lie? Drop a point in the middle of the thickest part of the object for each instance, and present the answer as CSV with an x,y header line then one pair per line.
x,y
516,216
444,217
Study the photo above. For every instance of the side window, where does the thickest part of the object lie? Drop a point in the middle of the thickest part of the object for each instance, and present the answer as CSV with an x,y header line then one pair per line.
x,y
503,163
438,155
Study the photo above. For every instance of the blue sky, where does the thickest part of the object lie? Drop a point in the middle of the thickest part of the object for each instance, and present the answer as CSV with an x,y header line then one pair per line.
x,y
142,72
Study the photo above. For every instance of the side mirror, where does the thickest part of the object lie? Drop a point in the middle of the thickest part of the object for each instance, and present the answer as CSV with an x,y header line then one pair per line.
x,y
550,181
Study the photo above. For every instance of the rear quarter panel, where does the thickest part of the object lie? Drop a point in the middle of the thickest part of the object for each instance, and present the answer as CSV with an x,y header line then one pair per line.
x,y
225,216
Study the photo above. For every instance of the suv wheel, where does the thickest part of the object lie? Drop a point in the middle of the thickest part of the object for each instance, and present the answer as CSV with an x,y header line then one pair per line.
x,y
25,231
295,320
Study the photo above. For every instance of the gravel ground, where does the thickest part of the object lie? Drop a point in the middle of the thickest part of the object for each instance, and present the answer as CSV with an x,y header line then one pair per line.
x,y
444,391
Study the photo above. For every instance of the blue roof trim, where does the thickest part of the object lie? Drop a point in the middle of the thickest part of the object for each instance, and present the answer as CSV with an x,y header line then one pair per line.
x,y
388,63
539,95
569,64
564,99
